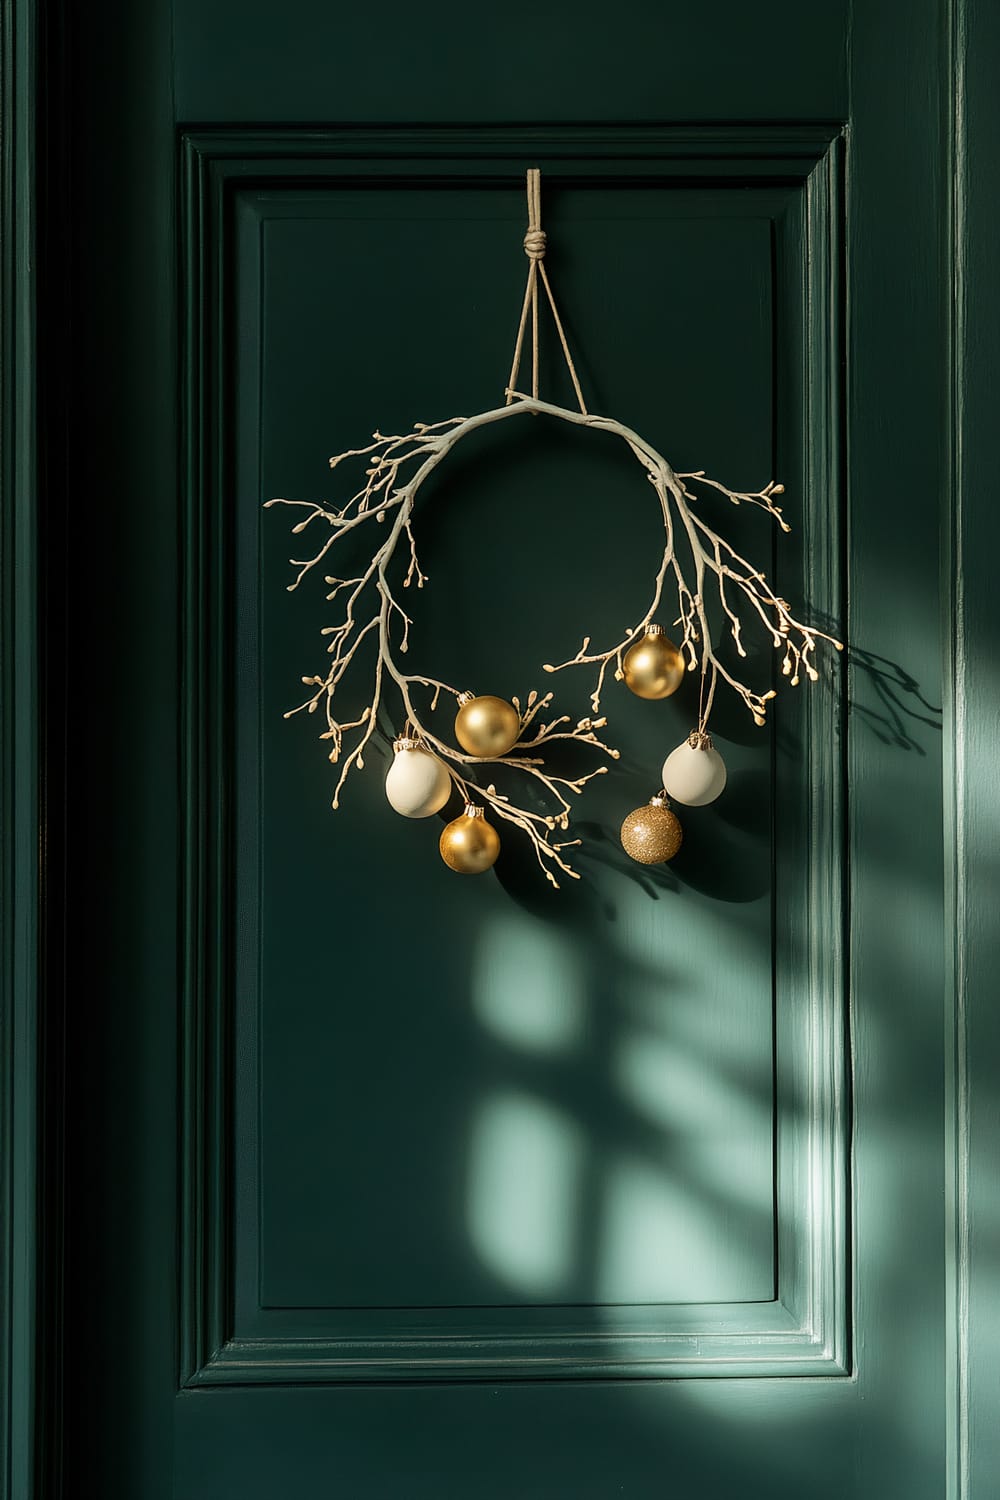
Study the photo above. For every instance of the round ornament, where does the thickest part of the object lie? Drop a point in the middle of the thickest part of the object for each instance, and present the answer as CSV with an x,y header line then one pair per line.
x,y
418,784
652,834
653,667
486,726
695,772
469,845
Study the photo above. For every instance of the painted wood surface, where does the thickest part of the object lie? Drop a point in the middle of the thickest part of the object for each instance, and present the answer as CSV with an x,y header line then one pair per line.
x,y
637,1278
248,1168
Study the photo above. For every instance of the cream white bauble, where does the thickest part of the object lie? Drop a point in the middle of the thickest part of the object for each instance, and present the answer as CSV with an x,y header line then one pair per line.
x,y
695,772
418,784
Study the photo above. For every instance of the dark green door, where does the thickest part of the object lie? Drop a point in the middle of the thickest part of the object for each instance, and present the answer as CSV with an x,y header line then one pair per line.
x,y
385,1184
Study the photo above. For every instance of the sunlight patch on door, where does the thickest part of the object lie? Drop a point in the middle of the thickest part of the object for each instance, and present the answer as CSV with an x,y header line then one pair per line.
x,y
723,1129
664,1241
525,1166
527,985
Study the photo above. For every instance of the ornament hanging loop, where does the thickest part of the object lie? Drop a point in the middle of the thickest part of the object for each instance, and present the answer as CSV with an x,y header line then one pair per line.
x,y
535,243
705,701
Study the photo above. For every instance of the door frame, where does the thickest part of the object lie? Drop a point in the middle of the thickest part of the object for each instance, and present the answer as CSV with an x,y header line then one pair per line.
x,y
22,1296
35,197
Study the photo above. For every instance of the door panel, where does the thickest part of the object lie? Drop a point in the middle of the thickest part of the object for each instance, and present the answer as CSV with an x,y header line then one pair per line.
x,y
445,1211
482,1189
424,1179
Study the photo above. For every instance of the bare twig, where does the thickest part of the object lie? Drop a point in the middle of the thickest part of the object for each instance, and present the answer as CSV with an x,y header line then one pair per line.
x,y
373,609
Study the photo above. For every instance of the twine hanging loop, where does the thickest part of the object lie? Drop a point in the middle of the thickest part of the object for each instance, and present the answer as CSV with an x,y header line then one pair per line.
x,y
534,248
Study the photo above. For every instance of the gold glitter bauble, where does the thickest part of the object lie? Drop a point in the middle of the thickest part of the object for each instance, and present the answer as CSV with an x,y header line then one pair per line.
x,y
652,834
470,845
486,726
653,667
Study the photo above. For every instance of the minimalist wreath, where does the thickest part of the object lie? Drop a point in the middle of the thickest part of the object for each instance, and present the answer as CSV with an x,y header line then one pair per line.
x,y
491,731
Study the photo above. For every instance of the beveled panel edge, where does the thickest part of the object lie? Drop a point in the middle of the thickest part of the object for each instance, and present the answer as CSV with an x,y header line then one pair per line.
x,y
807,156
658,1357
753,148
815,1277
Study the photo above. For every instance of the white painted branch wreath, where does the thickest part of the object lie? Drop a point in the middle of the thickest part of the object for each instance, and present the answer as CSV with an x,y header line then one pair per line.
x,y
490,731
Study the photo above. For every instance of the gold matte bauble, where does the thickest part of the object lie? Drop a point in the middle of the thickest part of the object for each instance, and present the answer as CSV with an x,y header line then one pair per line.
x,y
469,845
653,667
652,834
486,727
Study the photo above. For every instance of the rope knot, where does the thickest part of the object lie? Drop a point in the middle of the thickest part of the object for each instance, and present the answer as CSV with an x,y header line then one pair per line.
x,y
534,244
534,249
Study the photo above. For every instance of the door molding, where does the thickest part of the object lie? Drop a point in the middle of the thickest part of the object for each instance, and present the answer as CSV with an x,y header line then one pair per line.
x,y
22,1257
804,1330
971,641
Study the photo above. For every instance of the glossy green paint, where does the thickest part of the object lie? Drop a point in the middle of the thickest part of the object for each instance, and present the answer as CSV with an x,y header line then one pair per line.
x,y
908,1419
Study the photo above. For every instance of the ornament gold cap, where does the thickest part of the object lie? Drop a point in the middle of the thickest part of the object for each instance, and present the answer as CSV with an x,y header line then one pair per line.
x,y
654,629
405,742
700,739
464,698
473,810
659,799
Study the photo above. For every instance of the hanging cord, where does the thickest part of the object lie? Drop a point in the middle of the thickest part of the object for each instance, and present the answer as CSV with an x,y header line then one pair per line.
x,y
534,249
704,704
